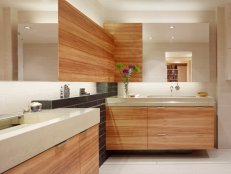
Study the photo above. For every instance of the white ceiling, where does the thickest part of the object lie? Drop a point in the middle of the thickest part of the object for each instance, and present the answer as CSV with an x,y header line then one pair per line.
x,y
39,33
31,5
183,33
162,5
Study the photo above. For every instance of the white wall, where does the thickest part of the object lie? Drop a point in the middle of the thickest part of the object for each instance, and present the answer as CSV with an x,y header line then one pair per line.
x,y
223,88
15,96
152,88
154,63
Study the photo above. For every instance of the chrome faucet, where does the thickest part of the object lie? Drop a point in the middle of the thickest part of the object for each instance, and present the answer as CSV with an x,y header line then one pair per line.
x,y
177,87
171,89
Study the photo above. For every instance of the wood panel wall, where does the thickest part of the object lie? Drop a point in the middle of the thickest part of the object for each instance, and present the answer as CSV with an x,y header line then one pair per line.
x,y
128,45
85,49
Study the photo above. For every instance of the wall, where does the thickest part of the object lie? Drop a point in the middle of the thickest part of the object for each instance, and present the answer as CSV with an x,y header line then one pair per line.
x,y
152,88
40,62
14,96
154,63
85,48
223,87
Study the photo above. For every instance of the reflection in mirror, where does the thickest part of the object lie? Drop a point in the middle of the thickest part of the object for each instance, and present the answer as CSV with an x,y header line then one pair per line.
x,y
14,15
179,66
38,52
185,46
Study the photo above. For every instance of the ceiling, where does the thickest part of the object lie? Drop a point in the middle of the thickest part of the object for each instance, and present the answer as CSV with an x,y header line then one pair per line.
x,y
126,5
181,33
162,5
39,33
31,5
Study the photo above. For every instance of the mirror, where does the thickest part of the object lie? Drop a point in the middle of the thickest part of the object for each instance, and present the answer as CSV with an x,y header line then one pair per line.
x,y
29,40
176,52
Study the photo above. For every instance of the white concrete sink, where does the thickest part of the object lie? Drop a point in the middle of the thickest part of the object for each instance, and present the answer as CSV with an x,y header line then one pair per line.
x,y
40,131
161,101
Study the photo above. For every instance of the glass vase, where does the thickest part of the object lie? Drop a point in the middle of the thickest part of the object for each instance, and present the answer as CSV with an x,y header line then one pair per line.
x,y
125,89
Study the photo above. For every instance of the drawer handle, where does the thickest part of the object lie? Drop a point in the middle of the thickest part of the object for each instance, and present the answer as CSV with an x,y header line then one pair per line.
x,y
61,144
161,134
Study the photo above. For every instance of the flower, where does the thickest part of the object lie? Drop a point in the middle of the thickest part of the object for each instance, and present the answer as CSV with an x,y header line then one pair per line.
x,y
125,71
131,67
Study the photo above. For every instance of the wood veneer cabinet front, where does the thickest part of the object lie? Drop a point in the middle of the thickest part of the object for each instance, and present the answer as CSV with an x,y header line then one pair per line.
x,y
78,155
160,128
126,128
181,128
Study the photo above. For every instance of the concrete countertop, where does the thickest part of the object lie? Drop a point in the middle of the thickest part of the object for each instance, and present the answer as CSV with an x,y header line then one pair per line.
x,y
161,101
41,131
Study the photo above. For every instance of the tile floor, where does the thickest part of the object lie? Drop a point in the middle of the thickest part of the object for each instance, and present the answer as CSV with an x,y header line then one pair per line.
x,y
202,162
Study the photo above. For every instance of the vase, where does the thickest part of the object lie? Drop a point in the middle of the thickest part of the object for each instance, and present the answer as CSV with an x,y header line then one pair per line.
x,y
125,89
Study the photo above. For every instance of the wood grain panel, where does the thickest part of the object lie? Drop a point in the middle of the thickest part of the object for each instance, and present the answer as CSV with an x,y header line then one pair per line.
x,y
126,143
126,113
59,159
89,151
181,128
85,49
128,45
126,128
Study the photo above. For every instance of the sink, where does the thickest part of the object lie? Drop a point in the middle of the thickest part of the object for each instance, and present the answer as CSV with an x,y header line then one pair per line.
x,y
12,122
169,96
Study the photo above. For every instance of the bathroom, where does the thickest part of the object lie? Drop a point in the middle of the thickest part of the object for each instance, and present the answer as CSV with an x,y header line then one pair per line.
x,y
89,61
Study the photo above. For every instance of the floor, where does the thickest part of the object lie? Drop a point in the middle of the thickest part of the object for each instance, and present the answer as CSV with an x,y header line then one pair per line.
x,y
202,162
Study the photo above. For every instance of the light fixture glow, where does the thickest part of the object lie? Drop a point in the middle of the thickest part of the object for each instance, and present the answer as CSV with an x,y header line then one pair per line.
x,y
27,27
150,38
172,37
172,27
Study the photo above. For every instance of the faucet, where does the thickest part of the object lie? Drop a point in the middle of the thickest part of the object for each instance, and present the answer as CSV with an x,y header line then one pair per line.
x,y
171,89
177,88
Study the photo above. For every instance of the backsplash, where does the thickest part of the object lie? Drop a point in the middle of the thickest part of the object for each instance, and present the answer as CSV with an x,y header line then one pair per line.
x,y
15,96
186,89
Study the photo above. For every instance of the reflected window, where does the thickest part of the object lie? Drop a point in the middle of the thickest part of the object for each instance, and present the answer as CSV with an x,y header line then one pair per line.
x,y
179,66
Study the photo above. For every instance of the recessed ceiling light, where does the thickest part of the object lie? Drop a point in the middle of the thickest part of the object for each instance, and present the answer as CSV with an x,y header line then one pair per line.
x,y
172,37
172,27
27,27
150,38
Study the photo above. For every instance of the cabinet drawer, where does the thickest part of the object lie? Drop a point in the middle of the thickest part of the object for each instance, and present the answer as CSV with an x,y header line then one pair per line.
x,y
126,123
63,158
126,113
127,131
89,151
180,141
181,128
126,143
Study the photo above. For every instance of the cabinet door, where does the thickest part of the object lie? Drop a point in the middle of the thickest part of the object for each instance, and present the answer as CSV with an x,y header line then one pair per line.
x,y
89,151
181,128
61,159
126,128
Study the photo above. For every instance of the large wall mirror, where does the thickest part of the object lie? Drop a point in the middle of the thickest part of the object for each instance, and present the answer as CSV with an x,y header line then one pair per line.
x,y
176,52
29,40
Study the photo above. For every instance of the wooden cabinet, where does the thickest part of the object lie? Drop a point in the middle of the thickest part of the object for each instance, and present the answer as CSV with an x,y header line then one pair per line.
x,y
160,128
181,128
77,155
126,128
89,151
